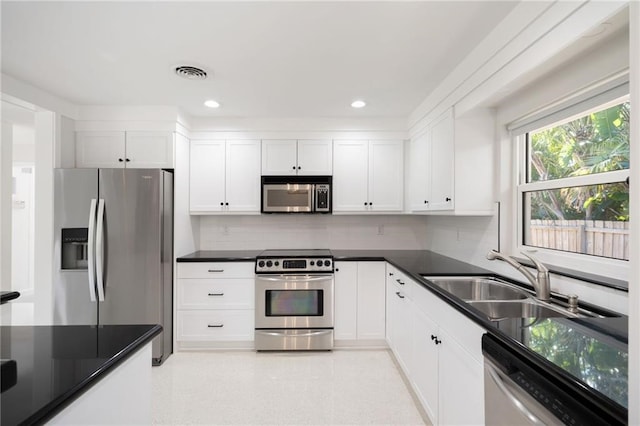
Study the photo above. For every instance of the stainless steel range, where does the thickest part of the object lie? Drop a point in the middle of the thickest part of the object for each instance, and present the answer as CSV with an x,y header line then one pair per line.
x,y
294,300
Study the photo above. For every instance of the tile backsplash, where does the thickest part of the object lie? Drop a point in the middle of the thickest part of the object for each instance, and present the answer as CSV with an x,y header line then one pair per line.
x,y
312,231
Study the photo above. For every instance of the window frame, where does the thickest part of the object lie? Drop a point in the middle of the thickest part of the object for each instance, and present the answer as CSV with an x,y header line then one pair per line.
x,y
609,267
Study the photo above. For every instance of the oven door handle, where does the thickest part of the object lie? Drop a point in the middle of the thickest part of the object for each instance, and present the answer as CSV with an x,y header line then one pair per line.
x,y
502,386
309,334
305,278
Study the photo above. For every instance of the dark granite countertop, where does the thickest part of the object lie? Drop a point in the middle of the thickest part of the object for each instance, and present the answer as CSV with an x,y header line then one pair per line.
x,y
53,365
586,356
221,256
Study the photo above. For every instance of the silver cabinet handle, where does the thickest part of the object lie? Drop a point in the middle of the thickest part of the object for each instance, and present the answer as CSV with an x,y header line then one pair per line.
x,y
215,270
510,396
399,295
216,294
215,325
400,282
91,261
100,250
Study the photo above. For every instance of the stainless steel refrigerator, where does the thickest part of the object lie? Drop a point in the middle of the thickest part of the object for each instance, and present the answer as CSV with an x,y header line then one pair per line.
x,y
114,249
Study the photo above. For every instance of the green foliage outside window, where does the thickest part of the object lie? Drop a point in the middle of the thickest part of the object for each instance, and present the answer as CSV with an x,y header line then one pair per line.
x,y
595,143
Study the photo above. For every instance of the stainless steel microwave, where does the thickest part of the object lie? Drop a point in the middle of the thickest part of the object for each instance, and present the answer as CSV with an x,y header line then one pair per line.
x,y
296,194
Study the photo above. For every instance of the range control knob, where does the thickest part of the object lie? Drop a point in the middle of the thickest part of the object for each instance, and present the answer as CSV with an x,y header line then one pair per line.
x,y
269,264
311,263
261,264
276,263
327,263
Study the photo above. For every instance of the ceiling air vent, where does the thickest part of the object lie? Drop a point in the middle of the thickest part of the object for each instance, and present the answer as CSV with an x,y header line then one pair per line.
x,y
191,73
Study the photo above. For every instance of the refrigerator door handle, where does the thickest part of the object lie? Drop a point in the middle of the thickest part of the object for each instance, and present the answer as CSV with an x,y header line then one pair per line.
x,y
100,250
91,261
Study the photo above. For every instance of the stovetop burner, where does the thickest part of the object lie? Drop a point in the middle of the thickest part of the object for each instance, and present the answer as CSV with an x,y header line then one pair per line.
x,y
294,261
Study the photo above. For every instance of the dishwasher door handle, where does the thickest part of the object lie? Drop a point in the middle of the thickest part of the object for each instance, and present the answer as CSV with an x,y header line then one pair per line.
x,y
495,376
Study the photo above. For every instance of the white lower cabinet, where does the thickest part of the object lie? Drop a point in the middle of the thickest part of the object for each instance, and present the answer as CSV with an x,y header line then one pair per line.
x,y
215,303
359,294
439,350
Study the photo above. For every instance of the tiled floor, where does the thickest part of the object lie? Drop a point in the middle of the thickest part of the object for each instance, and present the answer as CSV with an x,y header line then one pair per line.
x,y
319,388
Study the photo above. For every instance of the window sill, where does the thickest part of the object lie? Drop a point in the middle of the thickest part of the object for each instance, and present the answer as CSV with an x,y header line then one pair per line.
x,y
609,282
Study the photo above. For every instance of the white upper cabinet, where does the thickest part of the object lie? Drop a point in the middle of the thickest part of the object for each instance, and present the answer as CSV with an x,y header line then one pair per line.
x,y
420,172
451,165
113,149
243,176
442,171
350,176
431,166
386,175
368,176
315,157
279,157
296,157
207,176
475,135
224,176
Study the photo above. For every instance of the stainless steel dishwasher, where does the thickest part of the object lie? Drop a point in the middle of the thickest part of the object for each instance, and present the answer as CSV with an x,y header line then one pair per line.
x,y
519,392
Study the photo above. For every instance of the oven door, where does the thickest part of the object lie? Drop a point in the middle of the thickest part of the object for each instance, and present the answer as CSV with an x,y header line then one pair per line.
x,y
294,301
287,198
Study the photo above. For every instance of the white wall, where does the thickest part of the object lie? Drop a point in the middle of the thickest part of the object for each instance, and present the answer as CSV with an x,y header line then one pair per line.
x,y
312,231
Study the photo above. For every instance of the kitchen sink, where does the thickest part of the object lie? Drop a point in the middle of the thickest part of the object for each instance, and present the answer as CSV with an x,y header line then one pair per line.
x,y
499,310
471,288
498,299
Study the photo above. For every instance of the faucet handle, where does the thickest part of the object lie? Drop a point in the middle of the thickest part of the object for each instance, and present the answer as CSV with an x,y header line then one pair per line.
x,y
539,266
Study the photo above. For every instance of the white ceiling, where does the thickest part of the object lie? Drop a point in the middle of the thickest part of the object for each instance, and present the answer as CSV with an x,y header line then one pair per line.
x,y
265,59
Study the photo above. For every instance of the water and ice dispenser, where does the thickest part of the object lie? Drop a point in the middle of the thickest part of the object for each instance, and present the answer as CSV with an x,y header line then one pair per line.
x,y
75,248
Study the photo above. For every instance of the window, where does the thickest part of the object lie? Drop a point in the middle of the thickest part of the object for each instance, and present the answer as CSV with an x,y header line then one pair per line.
x,y
574,182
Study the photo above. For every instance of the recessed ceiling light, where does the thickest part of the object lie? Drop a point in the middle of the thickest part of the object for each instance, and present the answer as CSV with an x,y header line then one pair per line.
x,y
358,104
211,104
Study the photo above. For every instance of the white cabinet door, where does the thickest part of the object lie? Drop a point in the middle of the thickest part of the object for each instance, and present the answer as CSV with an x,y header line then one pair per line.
x,y
350,176
425,362
149,150
402,323
345,300
386,175
315,157
100,149
461,385
279,157
371,300
420,173
243,176
207,176
442,171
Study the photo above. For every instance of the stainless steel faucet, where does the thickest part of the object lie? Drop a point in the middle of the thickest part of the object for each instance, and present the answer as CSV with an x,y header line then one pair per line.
x,y
541,283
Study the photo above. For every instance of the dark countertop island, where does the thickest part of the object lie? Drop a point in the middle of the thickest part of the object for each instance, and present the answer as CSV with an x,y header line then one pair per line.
x,y
50,366
587,355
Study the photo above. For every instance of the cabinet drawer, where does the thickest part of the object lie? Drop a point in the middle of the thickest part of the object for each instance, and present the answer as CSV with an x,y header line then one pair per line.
x,y
223,325
402,283
224,293
216,270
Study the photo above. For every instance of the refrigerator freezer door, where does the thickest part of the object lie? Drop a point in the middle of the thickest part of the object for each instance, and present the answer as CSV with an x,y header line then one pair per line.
x,y
73,191
132,248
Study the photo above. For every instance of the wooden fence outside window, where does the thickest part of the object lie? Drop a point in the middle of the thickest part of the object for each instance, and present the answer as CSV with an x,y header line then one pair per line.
x,y
594,237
